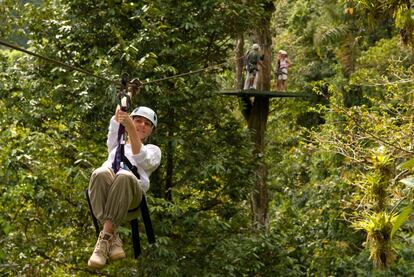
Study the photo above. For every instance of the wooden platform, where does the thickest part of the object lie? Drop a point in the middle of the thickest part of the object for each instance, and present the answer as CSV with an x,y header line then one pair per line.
x,y
270,94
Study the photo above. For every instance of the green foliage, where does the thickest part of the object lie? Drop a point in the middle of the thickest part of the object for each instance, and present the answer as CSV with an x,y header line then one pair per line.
x,y
381,228
399,11
378,228
322,156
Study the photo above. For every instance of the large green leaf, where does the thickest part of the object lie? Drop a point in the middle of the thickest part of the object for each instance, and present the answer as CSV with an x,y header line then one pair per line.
x,y
407,165
400,219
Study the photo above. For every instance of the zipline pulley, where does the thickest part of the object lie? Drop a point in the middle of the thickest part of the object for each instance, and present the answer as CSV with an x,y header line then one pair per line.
x,y
124,98
127,91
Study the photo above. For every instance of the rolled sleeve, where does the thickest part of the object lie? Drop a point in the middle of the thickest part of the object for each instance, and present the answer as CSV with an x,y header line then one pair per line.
x,y
149,157
112,139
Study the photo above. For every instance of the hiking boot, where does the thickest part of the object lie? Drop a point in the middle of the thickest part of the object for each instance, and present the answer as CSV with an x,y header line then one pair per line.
x,y
116,252
101,251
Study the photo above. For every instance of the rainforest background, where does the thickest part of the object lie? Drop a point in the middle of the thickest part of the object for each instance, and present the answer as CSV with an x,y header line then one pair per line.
x,y
338,163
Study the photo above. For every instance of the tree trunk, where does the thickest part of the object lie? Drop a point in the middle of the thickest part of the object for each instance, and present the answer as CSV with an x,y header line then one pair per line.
x,y
239,62
260,196
170,166
258,120
170,156
256,112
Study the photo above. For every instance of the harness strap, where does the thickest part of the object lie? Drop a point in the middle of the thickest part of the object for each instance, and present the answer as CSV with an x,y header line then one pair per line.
x,y
119,154
144,213
131,167
94,219
135,238
280,71
147,220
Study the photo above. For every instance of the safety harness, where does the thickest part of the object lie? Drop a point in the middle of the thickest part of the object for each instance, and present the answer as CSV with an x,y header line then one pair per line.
x,y
251,61
280,69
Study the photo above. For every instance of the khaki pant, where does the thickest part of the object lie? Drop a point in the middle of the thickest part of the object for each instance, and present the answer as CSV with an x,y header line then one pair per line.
x,y
112,195
248,84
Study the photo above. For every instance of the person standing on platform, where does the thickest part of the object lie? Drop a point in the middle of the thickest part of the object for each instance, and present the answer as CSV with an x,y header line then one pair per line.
x,y
282,66
253,59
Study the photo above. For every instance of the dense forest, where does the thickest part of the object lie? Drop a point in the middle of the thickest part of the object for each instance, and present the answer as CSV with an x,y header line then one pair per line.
x,y
317,185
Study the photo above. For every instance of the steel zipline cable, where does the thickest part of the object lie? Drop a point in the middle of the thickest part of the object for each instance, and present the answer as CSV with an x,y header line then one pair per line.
x,y
86,72
15,47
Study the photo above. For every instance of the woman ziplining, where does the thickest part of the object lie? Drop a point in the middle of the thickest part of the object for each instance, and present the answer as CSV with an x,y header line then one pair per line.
x,y
120,184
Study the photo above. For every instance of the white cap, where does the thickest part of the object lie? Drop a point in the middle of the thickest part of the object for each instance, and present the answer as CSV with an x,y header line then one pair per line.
x,y
283,52
145,112
255,46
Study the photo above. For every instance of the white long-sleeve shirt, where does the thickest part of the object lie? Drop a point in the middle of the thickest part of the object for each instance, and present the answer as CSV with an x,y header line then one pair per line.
x,y
146,161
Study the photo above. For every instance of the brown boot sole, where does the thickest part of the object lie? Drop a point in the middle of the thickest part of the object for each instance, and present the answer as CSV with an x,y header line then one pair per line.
x,y
95,265
117,256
